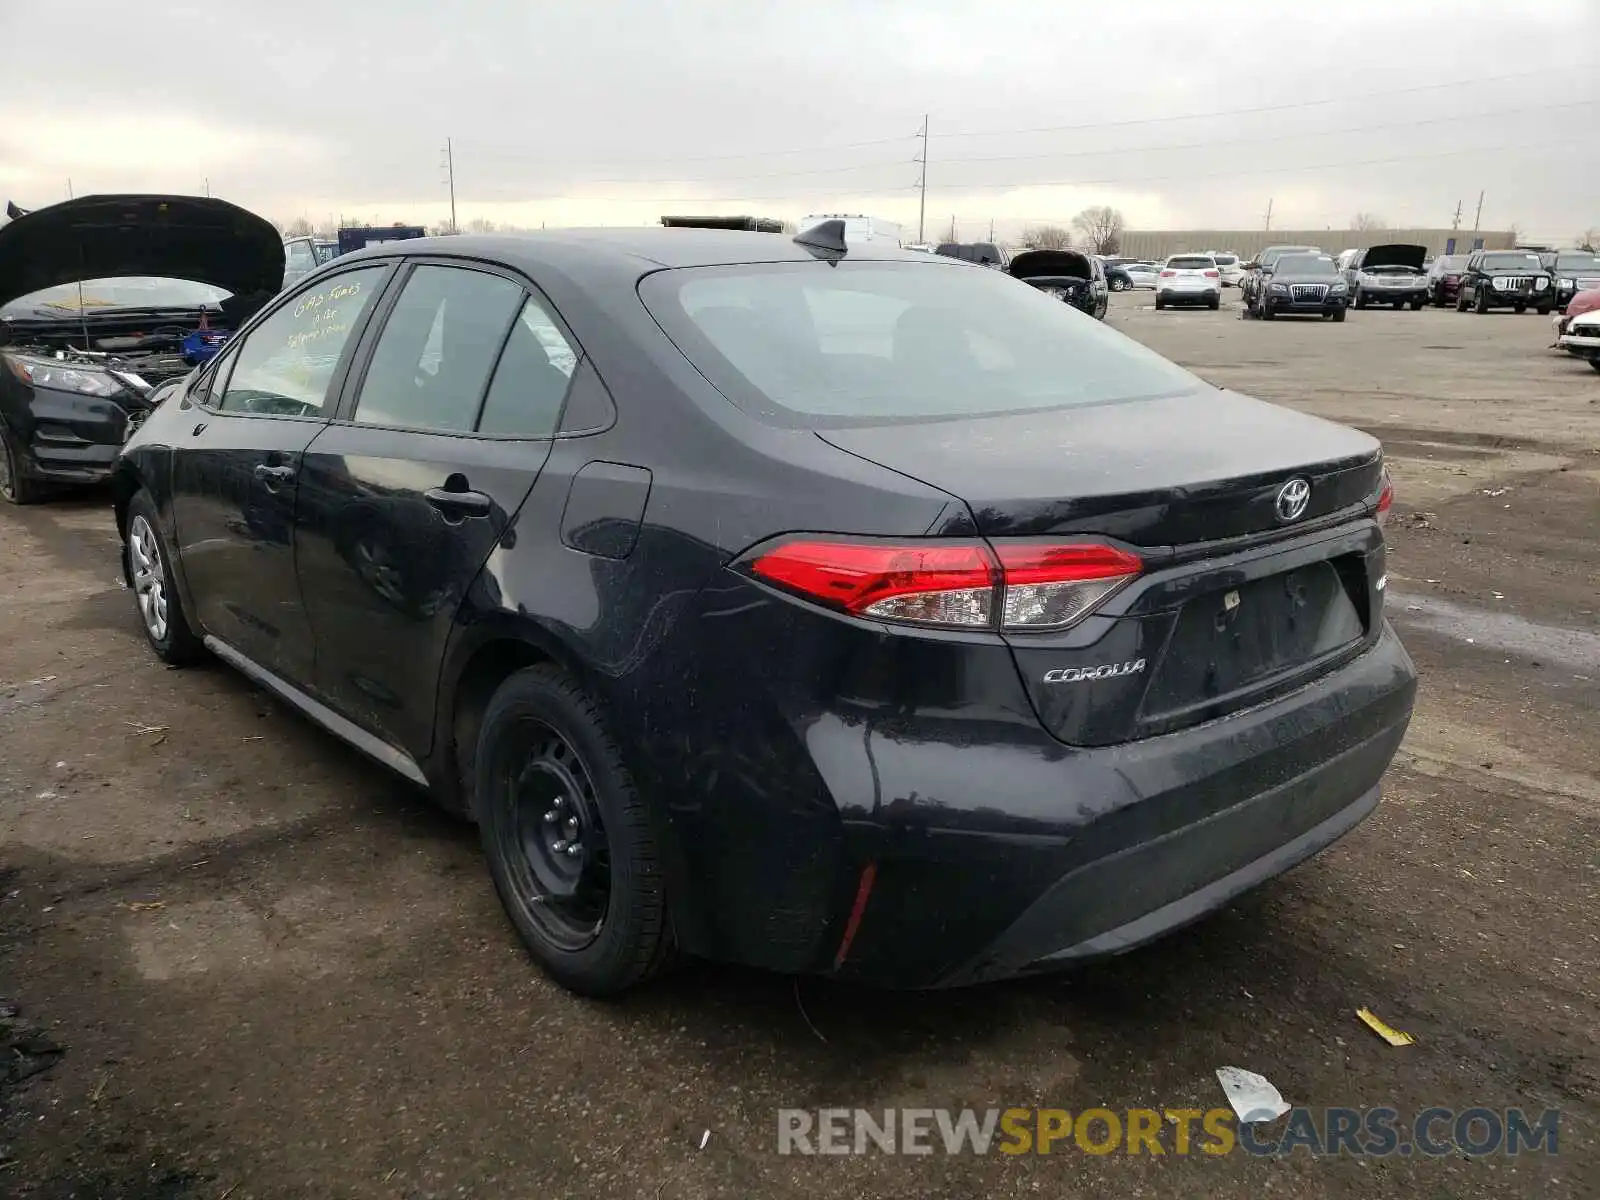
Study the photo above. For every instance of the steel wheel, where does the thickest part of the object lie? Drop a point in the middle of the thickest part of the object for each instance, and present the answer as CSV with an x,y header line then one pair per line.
x,y
562,875
149,577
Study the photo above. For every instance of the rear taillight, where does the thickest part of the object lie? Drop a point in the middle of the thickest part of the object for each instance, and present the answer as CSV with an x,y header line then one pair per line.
x,y
1168,274
1385,499
1015,585
1212,275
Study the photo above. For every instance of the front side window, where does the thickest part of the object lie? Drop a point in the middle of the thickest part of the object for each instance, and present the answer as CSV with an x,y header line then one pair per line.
x,y
811,345
287,362
437,350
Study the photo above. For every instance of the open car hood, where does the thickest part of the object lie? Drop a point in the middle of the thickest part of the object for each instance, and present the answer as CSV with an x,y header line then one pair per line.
x,y
172,237
1039,264
1397,255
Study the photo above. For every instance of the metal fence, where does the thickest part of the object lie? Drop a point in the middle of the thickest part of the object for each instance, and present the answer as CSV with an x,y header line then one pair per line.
x,y
1159,243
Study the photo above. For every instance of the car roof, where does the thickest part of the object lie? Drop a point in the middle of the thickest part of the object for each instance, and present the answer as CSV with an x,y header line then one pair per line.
x,y
644,249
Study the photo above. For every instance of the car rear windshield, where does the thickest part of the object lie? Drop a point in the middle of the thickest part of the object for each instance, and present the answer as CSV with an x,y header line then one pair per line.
x,y
811,345
1519,262
1305,264
1450,261
1226,260
1192,263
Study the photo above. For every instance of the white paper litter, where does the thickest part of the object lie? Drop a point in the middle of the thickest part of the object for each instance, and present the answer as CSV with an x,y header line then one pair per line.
x,y
1253,1097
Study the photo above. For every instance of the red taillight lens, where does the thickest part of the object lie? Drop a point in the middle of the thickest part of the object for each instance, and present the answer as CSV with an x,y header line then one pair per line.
x,y
936,584
1212,275
1385,499
1023,586
1168,274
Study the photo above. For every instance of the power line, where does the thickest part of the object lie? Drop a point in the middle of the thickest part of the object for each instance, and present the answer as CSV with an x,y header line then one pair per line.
x,y
1474,81
1236,173
983,185
1274,137
490,151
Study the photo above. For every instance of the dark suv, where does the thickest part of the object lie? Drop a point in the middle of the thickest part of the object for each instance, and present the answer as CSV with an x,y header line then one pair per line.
x,y
1575,271
1300,285
1514,279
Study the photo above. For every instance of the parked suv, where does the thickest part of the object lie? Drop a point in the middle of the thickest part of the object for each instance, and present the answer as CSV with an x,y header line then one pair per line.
x,y
937,637
1506,278
1299,284
1189,279
1575,271
1444,278
303,255
1385,275
1264,262
985,254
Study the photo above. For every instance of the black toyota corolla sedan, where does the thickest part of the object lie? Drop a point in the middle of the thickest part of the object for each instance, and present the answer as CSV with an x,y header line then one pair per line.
x,y
826,608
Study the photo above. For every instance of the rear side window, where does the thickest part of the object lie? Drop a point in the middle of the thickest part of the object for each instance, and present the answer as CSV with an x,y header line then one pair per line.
x,y
437,350
286,363
811,345
531,381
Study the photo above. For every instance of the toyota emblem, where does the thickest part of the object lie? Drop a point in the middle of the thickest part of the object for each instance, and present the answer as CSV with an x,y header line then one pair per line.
x,y
1292,500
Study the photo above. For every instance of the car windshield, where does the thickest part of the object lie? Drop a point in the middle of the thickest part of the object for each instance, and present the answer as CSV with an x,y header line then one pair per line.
x,y
1191,262
1511,262
136,291
810,345
1583,261
1306,264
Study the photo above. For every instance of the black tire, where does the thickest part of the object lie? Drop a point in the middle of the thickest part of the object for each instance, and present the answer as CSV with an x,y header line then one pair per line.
x,y
1461,300
1117,285
1361,298
1480,301
148,562
1416,305
1519,308
1214,303
1160,303
1544,310
1338,314
596,920
1595,363
1266,311
16,485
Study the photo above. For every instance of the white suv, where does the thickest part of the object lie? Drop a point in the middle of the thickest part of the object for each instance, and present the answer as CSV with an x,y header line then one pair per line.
x,y
1229,267
1189,279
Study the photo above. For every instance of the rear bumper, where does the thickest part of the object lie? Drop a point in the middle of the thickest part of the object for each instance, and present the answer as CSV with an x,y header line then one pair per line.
x,y
1172,295
1080,854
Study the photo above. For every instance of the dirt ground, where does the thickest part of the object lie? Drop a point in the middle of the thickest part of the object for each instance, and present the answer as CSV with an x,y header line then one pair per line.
x,y
240,961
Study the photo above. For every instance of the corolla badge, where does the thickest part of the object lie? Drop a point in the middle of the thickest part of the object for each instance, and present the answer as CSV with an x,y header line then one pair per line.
x,y
1086,674
1292,500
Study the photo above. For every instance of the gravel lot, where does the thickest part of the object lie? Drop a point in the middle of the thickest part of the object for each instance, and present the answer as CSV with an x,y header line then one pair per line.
x,y
275,971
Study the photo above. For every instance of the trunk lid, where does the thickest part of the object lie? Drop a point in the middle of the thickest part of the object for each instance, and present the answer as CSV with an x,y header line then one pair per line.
x,y
1237,602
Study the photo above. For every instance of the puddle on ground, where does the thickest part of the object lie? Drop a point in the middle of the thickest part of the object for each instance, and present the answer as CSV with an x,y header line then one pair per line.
x,y
1574,648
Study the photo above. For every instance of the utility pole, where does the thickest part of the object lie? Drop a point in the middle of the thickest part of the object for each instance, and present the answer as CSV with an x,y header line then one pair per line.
x,y
922,186
1268,224
450,177
1477,216
991,229
952,227
1455,221
69,187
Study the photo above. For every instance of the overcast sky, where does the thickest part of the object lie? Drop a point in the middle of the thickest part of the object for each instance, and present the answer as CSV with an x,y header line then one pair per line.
x,y
615,112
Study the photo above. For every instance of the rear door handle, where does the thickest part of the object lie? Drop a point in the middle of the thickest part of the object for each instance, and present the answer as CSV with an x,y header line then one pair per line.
x,y
273,476
456,505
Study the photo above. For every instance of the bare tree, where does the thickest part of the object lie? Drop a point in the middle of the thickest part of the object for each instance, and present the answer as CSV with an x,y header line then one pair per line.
x,y
1589,240
1366,221
482,225
1047,237
1101,227
299,227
